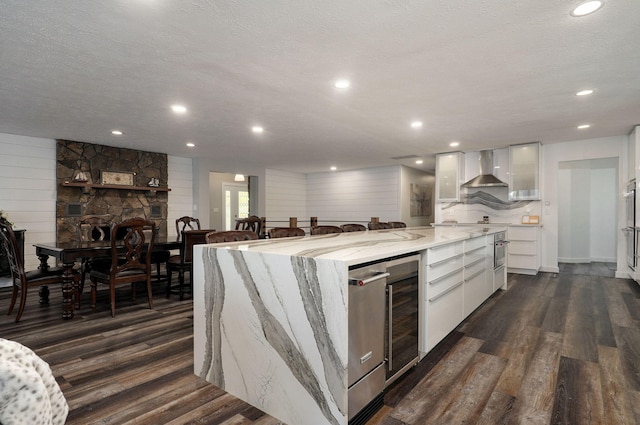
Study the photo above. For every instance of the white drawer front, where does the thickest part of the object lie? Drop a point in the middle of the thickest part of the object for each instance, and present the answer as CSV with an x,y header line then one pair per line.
x,y
441,284
444,313
522,233
522,261
472,257
472,269
523,248
445,267
472,244
443,252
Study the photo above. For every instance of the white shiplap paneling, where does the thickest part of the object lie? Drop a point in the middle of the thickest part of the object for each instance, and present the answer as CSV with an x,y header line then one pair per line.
x,y
28,188
181,194
285,196
355,195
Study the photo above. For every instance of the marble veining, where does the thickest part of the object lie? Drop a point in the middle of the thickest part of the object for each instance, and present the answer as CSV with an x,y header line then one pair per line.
x,y
270,317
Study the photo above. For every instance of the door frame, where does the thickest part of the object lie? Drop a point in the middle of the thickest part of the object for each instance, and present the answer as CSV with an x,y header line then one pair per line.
x,y
224,186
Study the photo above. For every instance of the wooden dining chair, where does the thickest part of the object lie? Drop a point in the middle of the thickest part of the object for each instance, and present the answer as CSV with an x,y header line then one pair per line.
x,y
92,228
285,232
184,262
325,230
231,236
252,223
397,224
353,227
186,223
22,279
126,260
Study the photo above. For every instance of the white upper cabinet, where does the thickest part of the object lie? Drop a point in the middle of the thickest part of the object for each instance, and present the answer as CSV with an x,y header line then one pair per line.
x,y
449,176
524,176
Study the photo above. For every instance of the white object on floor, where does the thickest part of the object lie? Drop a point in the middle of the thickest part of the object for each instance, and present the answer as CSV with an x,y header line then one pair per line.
x,y
29,393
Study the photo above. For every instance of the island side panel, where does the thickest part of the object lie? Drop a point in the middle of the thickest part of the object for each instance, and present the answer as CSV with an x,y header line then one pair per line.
x,y
271,329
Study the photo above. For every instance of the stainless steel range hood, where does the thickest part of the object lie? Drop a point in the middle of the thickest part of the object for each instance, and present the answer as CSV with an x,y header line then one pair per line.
x,y
486,177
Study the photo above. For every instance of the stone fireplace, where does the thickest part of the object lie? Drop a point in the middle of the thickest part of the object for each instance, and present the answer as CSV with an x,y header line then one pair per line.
x,y
116,200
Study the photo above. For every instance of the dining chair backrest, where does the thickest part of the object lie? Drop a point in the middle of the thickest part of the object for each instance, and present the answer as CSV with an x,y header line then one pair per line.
x,y
186,223
252,223
138,237
231,236
397,224
353,227
93,228
10,246
189,239
325,230
285,232
378,225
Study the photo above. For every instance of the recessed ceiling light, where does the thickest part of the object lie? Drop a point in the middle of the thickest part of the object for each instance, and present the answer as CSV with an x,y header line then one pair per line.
x,y
587,8
584,92
419,161
454,144
257,129
191,144
416,124
334,168
341,84
117,132
583,126
179,109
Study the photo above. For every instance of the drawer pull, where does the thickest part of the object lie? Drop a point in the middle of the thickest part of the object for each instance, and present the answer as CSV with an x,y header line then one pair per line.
x,y
475,249
474,275
435,281
446,260
479,260
442,294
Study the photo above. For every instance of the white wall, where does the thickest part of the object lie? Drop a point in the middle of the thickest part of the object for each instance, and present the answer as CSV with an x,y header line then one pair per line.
x,y
285,197
553,155
180,202
355,196
28,189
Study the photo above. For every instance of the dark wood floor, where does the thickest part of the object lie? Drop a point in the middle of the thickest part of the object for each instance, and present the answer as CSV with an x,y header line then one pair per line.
x,y
553,349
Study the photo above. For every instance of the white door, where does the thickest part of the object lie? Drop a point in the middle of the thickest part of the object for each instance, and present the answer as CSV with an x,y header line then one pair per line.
x,y
235,198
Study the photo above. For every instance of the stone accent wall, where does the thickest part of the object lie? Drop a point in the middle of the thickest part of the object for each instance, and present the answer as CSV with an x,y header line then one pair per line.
x,y
115,205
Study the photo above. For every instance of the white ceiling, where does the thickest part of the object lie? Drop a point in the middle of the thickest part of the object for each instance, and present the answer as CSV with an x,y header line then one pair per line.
x,y
486,73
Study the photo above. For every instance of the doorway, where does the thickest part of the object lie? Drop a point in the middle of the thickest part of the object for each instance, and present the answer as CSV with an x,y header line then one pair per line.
x,y
587,211
235,203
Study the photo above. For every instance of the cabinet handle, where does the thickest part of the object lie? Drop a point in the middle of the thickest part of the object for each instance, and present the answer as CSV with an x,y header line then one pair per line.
x,y
442,294
476,249
479,260
362,282
474,275
434,281
446,260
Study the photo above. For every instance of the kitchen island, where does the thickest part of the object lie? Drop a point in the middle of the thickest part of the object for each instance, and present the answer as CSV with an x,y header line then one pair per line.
x,y
270,317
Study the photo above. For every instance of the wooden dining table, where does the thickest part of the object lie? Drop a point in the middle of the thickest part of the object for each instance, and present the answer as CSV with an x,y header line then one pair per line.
x,y
71,252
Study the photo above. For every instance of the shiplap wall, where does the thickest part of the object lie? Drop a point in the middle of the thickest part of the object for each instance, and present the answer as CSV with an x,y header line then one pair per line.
x,y
181,195
28,189
353,196
285,196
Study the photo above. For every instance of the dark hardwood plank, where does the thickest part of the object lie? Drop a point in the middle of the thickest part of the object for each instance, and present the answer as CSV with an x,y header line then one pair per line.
x,y
578,397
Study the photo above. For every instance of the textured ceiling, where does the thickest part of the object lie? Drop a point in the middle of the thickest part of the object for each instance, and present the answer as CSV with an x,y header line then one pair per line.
x,y
486,73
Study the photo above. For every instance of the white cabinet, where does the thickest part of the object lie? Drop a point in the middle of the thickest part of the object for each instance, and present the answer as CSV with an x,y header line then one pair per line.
x,y
449,176
524,172
523,252
478,283
444,292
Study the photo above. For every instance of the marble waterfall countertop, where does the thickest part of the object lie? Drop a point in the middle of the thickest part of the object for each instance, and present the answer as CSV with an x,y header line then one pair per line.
x,y
271,316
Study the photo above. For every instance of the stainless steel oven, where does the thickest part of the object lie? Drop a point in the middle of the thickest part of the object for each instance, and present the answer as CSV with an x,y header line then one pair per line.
x,y
500,243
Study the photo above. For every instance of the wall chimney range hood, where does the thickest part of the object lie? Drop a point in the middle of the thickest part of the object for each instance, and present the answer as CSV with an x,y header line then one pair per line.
x,y
486,177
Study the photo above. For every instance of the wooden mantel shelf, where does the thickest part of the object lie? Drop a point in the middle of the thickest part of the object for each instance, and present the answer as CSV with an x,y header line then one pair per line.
x,y
115,186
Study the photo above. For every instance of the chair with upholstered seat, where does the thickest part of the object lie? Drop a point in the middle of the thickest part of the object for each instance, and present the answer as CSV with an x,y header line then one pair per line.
x,y
397,224
231,236
126,260
325,230
184,262
285,232
353,227
378,225
22,279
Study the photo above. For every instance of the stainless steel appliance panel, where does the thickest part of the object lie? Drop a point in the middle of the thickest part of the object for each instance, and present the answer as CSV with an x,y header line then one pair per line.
x,y
365,390
500,249
366,320
630,231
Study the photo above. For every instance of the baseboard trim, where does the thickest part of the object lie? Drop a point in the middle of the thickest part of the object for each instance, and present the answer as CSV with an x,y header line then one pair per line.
x,y
550,269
